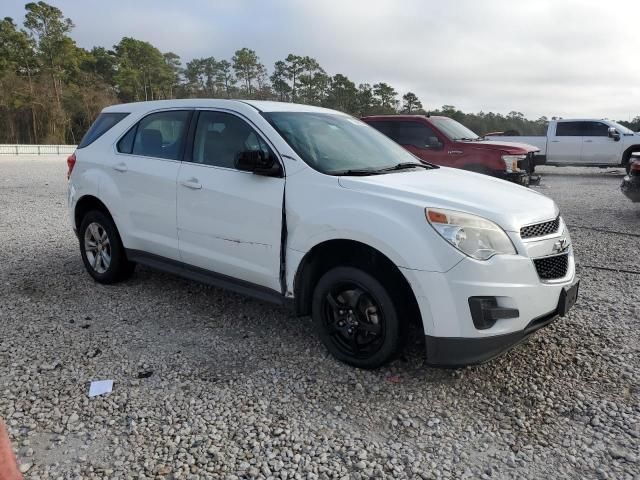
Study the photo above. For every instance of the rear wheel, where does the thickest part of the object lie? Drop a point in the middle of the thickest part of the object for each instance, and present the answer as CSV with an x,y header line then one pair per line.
x,y
101,249
356,318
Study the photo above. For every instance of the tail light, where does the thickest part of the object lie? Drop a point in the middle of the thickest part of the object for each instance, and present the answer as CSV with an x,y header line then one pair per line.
x,y
635,166
71,162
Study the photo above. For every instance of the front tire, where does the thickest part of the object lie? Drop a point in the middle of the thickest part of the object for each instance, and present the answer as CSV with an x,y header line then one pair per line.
x,y
101,248
356,318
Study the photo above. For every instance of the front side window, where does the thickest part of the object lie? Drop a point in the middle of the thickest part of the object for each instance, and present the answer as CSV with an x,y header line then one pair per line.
x,y
596,129
569,129
334,143
221,137
417,134
622,129
159,135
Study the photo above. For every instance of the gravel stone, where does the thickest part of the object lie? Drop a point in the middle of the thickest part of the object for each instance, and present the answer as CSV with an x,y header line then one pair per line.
x,y
243,389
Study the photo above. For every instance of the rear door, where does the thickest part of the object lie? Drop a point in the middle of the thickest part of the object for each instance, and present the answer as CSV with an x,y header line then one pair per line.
x,y
598,147
144,171
229,221
565,146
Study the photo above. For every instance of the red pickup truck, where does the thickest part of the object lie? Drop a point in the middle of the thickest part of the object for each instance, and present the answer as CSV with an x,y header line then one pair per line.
x,y
443,141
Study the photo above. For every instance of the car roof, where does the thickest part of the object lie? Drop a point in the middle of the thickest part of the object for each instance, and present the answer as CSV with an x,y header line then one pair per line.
x,y
260,105
402,117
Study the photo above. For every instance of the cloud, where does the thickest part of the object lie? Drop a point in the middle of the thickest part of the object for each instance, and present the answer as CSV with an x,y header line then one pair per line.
x,y
546,57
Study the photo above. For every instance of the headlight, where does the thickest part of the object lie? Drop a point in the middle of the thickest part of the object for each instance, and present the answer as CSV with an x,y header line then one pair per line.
x,y
511,162
472,235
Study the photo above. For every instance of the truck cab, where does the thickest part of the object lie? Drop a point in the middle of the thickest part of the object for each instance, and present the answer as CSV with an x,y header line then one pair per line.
x,y
444,141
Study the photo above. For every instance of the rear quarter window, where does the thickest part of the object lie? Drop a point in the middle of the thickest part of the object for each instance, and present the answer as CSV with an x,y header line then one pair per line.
x,y
103,124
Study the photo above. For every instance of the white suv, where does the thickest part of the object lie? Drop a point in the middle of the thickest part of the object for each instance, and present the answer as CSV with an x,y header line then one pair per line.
x,y
310,207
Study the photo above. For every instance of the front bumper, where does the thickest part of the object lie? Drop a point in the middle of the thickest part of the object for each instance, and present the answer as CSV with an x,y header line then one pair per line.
x,y
521,301
457,351
631,187
521,178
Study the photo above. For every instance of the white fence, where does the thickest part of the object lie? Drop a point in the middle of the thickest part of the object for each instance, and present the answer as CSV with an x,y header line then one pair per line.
x,y
37,149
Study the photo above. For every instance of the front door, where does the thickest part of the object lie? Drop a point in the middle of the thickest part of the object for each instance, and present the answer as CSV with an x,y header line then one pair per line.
x,y
421,140
229,221
598,147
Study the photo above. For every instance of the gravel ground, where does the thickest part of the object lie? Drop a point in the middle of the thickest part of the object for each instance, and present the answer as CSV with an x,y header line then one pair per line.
x,y
213,384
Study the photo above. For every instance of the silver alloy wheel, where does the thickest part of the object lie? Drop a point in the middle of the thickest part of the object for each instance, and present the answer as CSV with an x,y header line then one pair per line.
x,y
97,247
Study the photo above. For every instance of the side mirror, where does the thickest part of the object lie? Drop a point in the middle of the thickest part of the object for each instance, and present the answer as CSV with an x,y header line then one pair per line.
x,y
614,134
258,162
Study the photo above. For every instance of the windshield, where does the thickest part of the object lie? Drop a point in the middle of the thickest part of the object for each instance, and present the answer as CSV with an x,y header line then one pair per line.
x,y
334,143
452,129
621,128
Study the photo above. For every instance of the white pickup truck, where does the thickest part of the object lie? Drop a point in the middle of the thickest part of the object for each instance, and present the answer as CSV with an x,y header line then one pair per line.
x,y
582,142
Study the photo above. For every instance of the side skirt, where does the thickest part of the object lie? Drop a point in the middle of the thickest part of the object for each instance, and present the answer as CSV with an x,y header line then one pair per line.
x,y
210,278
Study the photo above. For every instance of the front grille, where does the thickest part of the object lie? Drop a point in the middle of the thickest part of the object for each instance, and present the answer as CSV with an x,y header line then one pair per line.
x,y
551,268
540,229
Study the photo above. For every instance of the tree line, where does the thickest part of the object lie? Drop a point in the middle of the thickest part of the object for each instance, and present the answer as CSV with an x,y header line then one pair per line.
x,y
51,89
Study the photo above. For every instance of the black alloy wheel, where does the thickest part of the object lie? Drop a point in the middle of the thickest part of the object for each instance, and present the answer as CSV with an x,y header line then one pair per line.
x,y
356,318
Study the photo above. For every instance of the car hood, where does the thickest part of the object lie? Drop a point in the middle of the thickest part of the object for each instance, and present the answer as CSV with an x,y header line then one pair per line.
x,y
509,147
507,204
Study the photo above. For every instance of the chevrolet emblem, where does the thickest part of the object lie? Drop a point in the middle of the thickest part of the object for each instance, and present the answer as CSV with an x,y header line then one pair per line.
x,y
560,246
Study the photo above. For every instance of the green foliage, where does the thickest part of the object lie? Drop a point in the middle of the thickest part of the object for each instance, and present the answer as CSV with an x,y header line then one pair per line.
x,y
366,102
51,90
279,81
386,96
17,49
411,103
248,69
342,94
143,72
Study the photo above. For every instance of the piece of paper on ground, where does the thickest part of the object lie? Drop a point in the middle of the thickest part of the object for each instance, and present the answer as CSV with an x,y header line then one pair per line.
x,y
100,387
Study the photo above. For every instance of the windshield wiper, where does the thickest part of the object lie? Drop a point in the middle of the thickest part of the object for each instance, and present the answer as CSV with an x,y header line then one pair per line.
x,y
405,165
355,172
466,139
368,171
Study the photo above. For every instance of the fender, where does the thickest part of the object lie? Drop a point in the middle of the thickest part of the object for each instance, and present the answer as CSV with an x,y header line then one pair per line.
x,y
86,182
380,230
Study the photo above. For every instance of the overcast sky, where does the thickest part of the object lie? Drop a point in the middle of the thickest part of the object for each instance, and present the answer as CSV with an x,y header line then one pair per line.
x,y
539,57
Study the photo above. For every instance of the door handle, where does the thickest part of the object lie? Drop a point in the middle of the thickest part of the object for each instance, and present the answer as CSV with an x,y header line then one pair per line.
x,y
192,183
588,141
555,141
120,167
